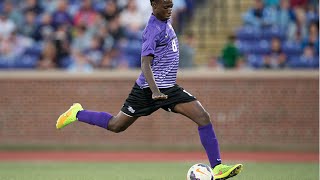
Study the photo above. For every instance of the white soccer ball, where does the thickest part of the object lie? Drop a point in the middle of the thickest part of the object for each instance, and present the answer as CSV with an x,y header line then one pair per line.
x,y
200,172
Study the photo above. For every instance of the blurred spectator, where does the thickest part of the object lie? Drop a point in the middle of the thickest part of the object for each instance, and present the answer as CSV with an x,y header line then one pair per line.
x,y
94,52
44,30
131,18
48,57
111,10
80,63
62,39
115,29
15,45
178,12
61,15
313,37
276,59
12,13
298,28
214,63
258,16
283,15
187,51
307,60
86,14
7,26
29,27
230,54
99,23
145,9
81,38
32,5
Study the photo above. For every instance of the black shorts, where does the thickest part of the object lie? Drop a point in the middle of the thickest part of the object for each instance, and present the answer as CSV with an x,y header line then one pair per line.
x,y
140,102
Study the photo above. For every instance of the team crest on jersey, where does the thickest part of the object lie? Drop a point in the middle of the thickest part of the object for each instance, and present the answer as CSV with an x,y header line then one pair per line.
x,y
131,109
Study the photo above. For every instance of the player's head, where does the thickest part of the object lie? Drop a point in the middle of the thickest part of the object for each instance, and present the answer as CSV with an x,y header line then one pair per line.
x,y
162,9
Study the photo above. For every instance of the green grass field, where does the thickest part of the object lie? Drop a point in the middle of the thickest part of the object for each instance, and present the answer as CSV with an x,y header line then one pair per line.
x,y
146,171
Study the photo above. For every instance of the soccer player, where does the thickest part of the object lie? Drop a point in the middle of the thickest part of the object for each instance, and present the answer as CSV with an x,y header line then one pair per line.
x,y
156,88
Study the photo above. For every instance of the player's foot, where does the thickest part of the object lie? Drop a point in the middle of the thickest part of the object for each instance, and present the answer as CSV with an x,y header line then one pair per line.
x,y
68,116
222,171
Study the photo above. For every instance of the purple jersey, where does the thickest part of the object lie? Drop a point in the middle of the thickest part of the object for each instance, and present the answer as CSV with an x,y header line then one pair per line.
x,y
160,41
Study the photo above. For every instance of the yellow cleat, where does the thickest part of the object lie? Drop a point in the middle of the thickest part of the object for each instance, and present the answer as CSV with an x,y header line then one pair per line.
x,y
69,116
222,171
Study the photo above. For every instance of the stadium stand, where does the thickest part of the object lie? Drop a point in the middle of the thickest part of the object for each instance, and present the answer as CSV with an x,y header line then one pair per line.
x,y
47,34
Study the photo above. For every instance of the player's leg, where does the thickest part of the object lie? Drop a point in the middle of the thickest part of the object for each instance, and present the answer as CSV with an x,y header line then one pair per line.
x,y
195,111
117,123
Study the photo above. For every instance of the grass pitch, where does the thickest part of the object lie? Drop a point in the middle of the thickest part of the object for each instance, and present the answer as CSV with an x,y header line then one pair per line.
x,y
146,171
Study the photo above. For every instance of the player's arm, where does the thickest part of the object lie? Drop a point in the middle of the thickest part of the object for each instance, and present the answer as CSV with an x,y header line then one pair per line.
x,y
147,71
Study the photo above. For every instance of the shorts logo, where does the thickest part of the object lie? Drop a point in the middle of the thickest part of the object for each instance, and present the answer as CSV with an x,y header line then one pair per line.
x,y
131,109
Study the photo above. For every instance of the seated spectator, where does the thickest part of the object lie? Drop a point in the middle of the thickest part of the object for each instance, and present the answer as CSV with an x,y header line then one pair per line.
x,y
298,28
13,13
44,30
29,26
131,18
86,15
313,37
15,45
307,60
62,40
283,15
113,60
276,58
32,5
230,54
80,63
111,10
48,57
187,51
94,52
178,12
61,15
258,16
116,30
7,25
81,38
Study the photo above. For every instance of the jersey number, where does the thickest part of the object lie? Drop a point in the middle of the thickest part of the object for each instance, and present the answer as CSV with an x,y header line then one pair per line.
x,y
174,46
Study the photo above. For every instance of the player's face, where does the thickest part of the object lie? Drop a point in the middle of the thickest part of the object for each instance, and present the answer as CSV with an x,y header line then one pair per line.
x,y
163,9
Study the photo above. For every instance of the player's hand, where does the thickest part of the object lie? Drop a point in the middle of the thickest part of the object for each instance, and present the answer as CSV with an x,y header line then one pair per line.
x,y
159,95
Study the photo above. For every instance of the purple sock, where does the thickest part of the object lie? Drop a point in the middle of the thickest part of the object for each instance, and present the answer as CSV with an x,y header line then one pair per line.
x,y
100,119
210,144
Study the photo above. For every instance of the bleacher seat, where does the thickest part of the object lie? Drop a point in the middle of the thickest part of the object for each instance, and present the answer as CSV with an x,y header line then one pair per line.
x,y
248,33
292,49
255,61
273,32
26,62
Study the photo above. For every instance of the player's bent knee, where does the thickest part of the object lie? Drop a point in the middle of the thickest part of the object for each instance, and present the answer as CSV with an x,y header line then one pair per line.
x,y
117,128
204,118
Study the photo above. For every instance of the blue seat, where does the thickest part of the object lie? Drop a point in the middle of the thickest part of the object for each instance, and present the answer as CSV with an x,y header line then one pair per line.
x,y
26,62
273,32
261,48
248,33
245,47
255,61
292,48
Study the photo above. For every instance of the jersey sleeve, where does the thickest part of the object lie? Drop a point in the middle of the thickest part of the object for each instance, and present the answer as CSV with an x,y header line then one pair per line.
x,y
149,42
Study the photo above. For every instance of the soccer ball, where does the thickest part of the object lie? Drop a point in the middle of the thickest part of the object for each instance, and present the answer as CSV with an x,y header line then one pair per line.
x,y
200,172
